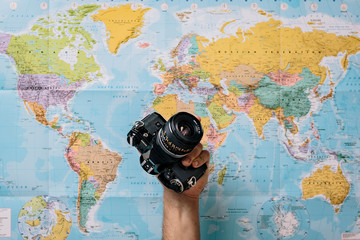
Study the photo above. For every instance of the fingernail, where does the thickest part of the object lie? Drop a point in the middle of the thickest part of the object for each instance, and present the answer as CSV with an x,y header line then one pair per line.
x,y
187,160
196,163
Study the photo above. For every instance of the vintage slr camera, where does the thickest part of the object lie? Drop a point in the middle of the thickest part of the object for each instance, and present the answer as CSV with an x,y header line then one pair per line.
x,y
163,144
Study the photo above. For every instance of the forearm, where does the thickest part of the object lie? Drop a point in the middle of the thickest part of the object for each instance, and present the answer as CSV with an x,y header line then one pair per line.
x,y
180,217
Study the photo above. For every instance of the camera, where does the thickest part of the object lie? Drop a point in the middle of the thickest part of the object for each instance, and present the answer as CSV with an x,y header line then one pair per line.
x,y
164,144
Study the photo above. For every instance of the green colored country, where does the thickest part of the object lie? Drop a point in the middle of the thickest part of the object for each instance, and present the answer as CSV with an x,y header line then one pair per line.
x,y
89,41
235,90
194,49
288,125
157,101
161,65
38,51
236,87
221,175
84,138
200,73
82,11
87,200
43,31
35,55
220,116
293,100
343,157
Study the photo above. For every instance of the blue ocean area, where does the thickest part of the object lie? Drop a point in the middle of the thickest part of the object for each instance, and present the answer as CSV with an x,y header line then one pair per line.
x,y
24,151
25,147
337,118
8,76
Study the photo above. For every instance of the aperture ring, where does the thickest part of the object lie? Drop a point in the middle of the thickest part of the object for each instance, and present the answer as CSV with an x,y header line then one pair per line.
x,y
162,145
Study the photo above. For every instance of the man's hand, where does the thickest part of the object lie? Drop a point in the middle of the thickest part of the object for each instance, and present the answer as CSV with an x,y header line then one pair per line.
x,y
197,158
181,211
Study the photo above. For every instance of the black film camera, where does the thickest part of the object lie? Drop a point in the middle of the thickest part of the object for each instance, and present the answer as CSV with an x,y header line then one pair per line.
x,y
163,144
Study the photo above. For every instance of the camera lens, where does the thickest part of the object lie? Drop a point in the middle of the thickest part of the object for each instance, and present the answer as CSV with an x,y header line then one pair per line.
x,y
185,129
179,135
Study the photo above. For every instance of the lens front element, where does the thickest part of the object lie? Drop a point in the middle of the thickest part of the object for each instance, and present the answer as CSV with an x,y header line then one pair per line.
x,y
185,128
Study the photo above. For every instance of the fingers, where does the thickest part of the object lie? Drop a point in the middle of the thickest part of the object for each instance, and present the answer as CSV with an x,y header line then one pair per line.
x,y
203,158
192,155
197,157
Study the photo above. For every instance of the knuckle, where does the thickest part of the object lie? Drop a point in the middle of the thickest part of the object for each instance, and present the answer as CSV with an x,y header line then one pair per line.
x,y
207,154
198,147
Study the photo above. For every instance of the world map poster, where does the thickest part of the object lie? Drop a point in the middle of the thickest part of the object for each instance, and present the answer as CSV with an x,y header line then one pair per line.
x,y
275,83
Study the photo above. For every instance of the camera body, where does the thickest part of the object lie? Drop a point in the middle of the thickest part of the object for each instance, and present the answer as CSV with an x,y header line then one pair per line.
x,y
164,144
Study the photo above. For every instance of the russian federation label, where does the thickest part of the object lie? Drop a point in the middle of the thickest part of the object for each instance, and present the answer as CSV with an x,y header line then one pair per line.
x,y
5,222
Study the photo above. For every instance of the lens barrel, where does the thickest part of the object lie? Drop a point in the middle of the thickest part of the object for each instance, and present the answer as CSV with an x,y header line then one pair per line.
x,y
180,134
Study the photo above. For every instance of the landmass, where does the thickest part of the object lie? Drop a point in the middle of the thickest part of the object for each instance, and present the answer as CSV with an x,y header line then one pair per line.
x,y
50,68
33,223
96,167
183,16
258,72
244,75
266,50
286,223
46,90
221,175
324,182
37,55
122,24
62,228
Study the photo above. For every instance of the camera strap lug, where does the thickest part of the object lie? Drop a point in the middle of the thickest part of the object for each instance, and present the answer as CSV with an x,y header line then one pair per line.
x,y
192,181
139,124
148,165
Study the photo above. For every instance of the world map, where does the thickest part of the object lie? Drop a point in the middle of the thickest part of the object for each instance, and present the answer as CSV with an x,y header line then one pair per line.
x,y
275,83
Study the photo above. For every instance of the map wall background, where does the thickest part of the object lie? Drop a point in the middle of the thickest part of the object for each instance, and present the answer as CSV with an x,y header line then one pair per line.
x,y
275,83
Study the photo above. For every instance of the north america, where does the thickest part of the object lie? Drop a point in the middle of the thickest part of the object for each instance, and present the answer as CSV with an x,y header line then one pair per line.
x,y
54,60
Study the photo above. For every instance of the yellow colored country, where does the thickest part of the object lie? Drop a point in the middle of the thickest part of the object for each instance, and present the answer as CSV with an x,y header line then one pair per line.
x,y
221,117
333,186
85,172
270,47
166,106
122,24
208,129
260,116
225,24
62,228
33,223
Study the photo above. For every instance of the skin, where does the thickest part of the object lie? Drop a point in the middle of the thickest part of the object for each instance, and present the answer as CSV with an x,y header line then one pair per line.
x,y
181,211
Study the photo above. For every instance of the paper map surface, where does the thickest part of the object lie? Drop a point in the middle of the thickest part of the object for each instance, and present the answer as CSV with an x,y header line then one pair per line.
x,y
275,83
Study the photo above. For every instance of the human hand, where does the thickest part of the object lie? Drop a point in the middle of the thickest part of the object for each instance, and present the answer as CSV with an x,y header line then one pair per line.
x,y
196,158
181,211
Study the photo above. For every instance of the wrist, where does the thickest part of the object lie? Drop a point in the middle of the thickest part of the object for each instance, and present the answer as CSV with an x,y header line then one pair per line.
x,y
182,199
181,215
180,203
